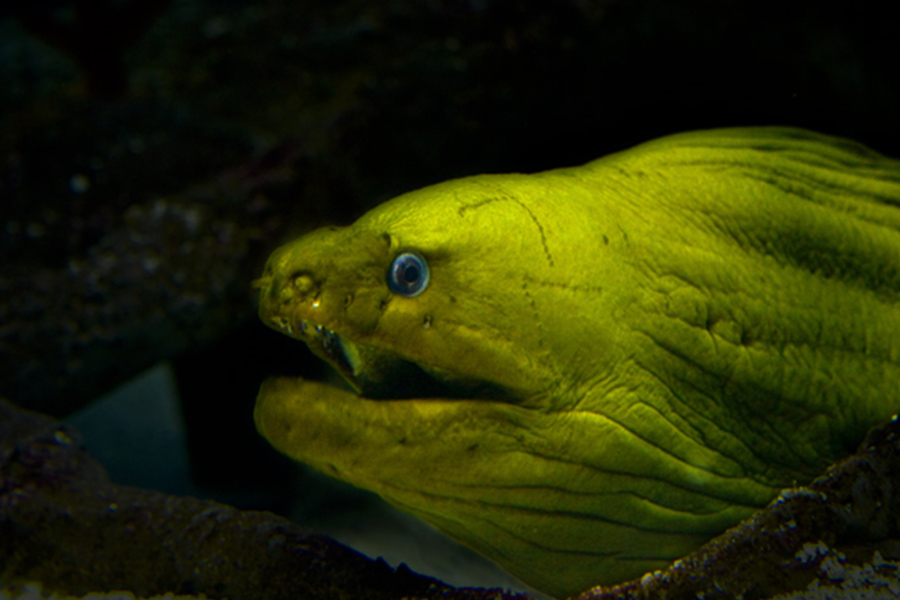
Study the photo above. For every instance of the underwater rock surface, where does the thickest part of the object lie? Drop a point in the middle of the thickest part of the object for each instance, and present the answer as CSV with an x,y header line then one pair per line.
x,y
64,526
838,537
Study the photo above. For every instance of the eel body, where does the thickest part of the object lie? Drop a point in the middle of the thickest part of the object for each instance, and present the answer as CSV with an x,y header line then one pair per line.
x,y
588,372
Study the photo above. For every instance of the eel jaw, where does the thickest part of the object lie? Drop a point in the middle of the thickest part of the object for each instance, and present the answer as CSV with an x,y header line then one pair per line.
x,y
378,373
336,350
340,352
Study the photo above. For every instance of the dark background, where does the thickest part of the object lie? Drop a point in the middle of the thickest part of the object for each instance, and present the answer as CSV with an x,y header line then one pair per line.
x,y
153,153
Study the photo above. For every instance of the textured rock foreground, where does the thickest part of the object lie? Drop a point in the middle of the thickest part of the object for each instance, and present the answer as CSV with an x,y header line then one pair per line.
x,y
64,526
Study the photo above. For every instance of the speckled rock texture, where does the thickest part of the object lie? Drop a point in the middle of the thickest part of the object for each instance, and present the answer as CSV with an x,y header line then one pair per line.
x,y
63,525
837,538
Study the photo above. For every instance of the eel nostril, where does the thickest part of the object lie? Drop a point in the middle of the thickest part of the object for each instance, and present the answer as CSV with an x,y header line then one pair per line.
x,y
304,283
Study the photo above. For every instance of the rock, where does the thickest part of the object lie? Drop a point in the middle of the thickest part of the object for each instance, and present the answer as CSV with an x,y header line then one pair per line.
x,y
64,526
838,537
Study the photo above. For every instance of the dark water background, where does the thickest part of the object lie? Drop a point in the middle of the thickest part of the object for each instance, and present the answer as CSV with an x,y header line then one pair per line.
x,y
153,153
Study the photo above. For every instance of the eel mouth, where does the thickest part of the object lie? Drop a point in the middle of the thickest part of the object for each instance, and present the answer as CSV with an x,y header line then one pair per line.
x,y
339,352
377,373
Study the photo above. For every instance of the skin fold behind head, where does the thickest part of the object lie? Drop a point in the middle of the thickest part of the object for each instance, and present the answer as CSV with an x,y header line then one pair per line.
x,y
588,372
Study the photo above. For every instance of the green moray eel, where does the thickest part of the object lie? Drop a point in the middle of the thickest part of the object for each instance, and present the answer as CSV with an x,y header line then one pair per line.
x,y
588,372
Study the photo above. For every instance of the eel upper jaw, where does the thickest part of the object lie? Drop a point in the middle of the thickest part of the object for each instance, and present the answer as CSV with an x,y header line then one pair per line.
x,y
339,352
379,373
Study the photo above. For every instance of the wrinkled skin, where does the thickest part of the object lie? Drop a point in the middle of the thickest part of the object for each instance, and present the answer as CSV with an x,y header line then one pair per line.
x,y
610,364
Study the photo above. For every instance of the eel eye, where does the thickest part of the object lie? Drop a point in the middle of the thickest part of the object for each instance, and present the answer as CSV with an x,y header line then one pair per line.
x,y
408,275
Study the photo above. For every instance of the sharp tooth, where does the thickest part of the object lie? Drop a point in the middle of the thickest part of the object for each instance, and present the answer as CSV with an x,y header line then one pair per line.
x,y
335,347
351,354
327,339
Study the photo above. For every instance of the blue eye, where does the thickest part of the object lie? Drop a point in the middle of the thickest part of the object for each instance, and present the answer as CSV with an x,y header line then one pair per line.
x,y
408,275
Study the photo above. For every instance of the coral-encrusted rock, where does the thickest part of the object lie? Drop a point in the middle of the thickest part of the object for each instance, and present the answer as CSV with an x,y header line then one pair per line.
x,y
63,525
838,537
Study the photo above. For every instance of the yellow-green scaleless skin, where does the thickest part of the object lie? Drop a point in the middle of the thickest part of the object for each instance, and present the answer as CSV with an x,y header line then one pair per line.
x,y
610,364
